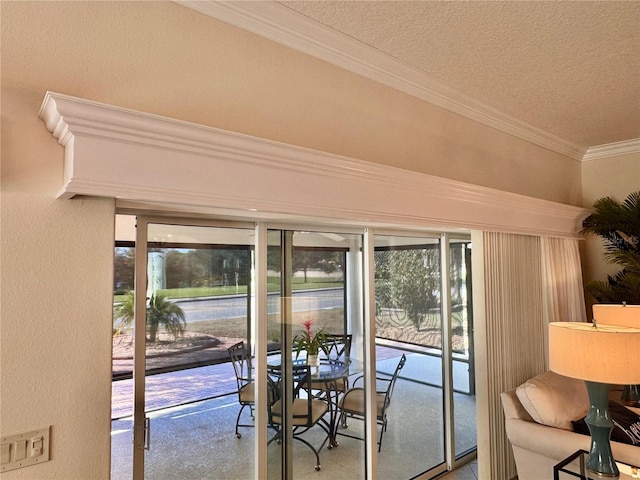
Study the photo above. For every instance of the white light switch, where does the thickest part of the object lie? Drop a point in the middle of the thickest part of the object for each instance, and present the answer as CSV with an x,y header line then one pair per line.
x,y
21,450
5,453
36,446
24,449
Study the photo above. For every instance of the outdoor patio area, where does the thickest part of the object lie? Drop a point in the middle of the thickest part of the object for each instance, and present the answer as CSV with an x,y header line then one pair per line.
x,y
193,416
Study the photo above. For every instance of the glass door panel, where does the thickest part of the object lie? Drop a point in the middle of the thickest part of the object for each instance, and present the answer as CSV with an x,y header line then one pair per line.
x,y
464,398
314,293
122,350
409,321
197,303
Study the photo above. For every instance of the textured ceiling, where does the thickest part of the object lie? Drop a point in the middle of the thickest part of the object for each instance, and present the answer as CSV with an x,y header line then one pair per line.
x,y
571,68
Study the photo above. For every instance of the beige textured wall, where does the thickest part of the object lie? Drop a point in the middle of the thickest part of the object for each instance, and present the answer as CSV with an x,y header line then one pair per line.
x,y
56,262
161,58
613,177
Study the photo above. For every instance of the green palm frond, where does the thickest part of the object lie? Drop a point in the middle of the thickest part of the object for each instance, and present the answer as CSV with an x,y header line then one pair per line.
x,y
163,312
124,312
623,287
601,291
630,260
618,224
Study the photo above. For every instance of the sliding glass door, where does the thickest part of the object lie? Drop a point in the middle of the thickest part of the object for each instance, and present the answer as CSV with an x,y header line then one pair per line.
x,y
381,310
315,285
423,294
190,302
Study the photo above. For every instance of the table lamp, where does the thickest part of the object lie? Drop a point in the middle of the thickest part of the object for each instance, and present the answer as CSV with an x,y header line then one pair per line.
x,y
617,314
626,316
600,355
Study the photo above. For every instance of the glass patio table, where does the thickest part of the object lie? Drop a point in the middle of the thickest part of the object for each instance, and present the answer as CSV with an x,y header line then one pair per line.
x,y
330,373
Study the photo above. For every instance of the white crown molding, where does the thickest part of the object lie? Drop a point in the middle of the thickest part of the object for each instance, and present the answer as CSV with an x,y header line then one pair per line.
x,y
280,24
134,156
612,149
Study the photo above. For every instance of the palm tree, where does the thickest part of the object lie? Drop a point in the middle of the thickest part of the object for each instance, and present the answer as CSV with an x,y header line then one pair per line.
x,y
163,312
124,312
618,224
160,312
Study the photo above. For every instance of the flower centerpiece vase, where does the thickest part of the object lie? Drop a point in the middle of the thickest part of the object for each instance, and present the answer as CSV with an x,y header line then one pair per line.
x,y
311,343
313,360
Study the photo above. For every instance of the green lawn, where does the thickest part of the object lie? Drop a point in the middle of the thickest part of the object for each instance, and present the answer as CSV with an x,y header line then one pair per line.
x,y
272,286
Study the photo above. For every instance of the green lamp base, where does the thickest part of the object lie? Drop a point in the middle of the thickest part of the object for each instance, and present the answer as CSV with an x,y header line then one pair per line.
x,y
600,462
631,395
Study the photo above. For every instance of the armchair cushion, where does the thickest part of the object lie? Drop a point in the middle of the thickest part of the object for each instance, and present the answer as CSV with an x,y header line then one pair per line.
x,y
554,400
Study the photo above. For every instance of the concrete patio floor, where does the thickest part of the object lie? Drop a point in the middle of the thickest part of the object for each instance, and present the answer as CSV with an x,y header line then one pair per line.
x,y
205,428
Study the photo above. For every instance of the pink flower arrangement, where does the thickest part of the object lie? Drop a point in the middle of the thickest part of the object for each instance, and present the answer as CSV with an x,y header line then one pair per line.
x,y
309,341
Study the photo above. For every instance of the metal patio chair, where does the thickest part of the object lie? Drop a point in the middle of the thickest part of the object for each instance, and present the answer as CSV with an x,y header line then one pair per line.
x,y
307,410
241,361
352,403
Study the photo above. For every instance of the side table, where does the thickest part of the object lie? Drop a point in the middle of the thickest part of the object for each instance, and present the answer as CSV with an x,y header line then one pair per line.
x,y
574,466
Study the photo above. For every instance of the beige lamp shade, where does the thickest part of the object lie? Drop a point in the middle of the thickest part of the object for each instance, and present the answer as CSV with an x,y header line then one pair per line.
x,y
625,315
603,353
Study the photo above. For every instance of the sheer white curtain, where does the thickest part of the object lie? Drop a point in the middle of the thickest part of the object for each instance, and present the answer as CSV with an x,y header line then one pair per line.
x,y
563,292
521,283
562,289
508,333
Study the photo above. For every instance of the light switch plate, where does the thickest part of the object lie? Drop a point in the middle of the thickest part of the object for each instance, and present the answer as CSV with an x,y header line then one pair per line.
x,y
24,449
5,453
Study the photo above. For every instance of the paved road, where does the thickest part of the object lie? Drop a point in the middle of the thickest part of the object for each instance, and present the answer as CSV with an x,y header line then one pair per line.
x,y
233,306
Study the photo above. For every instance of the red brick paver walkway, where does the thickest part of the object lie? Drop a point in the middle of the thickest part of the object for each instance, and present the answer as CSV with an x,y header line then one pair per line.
x,y
185,386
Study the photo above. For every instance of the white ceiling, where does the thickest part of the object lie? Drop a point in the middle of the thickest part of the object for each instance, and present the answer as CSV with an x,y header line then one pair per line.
x,y
564,74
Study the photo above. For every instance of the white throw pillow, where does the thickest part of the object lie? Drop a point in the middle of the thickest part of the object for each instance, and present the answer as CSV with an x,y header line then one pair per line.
x,y
554,400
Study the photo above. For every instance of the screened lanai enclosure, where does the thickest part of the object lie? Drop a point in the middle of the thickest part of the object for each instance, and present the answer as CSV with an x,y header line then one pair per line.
x,y
187,290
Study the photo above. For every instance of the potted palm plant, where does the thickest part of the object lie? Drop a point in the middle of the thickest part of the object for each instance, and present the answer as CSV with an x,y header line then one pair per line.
x,y
311,342
618,225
